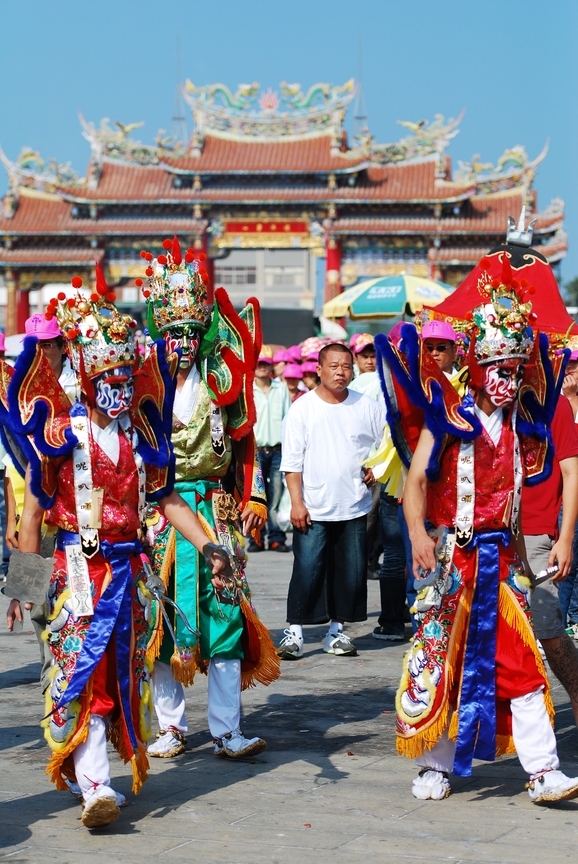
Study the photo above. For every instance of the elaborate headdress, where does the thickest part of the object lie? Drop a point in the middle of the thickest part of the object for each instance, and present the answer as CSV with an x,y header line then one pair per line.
x,y
176,292
502,327
99,337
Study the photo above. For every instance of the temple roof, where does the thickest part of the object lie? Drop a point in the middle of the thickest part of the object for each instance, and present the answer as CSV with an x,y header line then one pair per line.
x,y
49,256
224,155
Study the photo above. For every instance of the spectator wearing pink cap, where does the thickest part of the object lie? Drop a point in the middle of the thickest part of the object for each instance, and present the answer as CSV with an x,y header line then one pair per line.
x,y
440,338
280,359
310,376
272,402
293,376
363,348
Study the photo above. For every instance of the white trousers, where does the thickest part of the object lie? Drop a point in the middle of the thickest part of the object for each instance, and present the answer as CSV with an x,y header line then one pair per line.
x,y
532,731
91,763
224,697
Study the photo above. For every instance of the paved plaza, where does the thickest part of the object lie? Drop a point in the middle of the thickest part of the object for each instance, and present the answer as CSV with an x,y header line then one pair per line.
x,y
329,787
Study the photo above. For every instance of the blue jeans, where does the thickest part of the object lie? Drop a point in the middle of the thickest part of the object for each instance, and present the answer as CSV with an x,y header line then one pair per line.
x,y
392,573
270,460
410,591
5,551
568,589
329,579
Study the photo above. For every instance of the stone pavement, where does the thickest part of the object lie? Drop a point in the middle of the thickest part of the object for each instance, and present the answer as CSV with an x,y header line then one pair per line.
x,y
329,786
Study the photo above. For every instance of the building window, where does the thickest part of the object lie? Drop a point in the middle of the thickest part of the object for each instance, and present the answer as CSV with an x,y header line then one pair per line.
x,y
235,275
290,277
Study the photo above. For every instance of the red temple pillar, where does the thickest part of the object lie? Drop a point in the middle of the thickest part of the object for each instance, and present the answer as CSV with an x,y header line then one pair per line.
x,y
209,266
333,285
11,319
22,309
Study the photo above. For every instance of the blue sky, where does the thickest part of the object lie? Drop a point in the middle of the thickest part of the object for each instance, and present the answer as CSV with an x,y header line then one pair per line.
x,y
513,66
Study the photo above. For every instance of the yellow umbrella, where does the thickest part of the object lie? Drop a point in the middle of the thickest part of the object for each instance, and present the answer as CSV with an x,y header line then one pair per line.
x,y
387,297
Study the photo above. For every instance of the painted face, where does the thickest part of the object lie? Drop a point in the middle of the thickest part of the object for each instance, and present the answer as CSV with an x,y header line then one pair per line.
x,y
185,337
114,391
501,382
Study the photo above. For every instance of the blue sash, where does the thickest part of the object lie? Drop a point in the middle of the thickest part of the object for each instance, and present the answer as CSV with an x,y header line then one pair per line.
x,y
477,710
113,612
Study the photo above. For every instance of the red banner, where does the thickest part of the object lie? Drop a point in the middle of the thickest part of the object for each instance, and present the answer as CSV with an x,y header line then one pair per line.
x,y
280,226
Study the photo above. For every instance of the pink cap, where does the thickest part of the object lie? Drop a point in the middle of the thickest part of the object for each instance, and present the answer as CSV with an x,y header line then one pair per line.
x,y
438,330
573,354
39,326
2,342
294,353
313,357
281,356
359,341
293,370
309,366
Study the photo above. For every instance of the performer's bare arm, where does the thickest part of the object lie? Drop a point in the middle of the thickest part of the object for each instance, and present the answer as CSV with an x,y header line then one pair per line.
x,y
300,517
520,547
562,549
28,541
180,515
414,505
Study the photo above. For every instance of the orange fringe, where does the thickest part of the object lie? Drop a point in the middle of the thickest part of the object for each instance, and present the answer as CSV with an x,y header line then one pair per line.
x,y
184,670
517,619
268,669
139,760
60,764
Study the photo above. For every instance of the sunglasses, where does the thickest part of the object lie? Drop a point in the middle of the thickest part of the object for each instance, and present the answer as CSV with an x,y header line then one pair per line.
x,y
439,348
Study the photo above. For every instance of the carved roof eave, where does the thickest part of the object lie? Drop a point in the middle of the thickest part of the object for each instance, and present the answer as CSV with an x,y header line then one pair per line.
x,y
212,172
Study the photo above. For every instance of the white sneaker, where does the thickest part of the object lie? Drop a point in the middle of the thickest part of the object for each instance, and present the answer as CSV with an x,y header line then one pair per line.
x,y
101,807
572,631
340,644
431,784
552,786
290,646
170,742
234,745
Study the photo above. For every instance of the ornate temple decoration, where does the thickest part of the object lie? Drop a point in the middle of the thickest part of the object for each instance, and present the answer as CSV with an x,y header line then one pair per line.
x,y
267,168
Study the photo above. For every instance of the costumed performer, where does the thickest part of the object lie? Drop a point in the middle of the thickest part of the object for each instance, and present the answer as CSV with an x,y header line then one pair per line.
x,y
91,468
217,473
474,684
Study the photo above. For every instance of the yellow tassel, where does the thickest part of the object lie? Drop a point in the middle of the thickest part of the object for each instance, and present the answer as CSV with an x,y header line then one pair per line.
x,y
268,669
261,511
184,670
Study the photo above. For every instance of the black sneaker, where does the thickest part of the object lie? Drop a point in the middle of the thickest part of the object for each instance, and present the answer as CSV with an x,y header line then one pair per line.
x,y
255,547
279,547
388,634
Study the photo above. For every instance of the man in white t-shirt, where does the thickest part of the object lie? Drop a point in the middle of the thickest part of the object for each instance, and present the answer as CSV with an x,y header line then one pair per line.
x,y
327,434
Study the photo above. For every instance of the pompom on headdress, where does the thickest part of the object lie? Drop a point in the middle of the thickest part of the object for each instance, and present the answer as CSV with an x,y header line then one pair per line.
x,y
176,292
502,328
99,337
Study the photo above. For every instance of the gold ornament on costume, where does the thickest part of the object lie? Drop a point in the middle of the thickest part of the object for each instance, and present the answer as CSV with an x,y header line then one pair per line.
x,y
502,327
176,292
99,337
